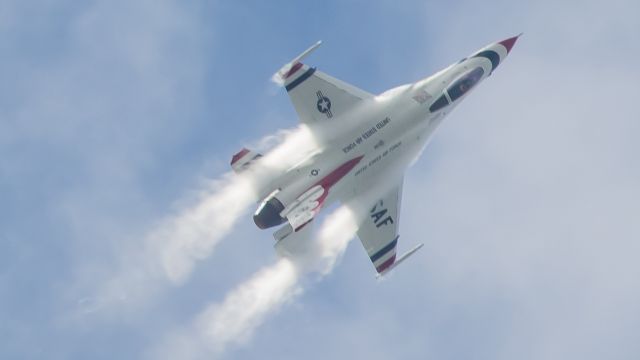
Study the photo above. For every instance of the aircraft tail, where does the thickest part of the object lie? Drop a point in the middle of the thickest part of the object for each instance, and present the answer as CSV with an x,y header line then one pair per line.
x,y
243,159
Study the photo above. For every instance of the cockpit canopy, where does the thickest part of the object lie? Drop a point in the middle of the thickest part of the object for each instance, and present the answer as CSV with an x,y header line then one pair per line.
x,y
464,83
458,88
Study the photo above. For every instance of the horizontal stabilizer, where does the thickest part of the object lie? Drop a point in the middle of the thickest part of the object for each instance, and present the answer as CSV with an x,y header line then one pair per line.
x,y
293,245
243,158
400,260
283,232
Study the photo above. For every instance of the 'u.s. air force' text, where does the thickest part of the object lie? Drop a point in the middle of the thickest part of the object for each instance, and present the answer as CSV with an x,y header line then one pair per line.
x,y
376,159
366,135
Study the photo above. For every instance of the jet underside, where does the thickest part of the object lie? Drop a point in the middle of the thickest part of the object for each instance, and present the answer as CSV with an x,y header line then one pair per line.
x,y
366,143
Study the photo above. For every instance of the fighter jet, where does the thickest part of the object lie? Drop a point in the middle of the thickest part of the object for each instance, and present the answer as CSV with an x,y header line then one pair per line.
x,y
371,136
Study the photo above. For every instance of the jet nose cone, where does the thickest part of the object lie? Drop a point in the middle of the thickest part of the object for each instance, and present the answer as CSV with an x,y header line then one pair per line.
x,y
508,43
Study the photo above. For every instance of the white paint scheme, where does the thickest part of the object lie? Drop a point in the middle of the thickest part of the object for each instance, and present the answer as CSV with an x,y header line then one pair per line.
x,y
387,132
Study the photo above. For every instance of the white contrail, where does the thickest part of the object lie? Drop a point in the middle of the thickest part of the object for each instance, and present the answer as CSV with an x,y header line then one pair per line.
x,y
247,306
173,247
234,320
192,235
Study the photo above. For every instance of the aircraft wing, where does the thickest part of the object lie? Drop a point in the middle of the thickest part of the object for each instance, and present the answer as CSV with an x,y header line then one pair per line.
x,y
315,95
379,231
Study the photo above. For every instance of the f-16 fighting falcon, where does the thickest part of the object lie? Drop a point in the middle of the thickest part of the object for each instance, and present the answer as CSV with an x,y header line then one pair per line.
x,y
372,136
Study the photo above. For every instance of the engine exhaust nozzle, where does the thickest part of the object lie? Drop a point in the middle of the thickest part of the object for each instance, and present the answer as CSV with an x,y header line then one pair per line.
x,y
268,213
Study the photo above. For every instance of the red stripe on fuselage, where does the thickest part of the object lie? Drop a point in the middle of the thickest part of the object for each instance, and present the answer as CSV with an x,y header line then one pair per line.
x,y
328,181
337,174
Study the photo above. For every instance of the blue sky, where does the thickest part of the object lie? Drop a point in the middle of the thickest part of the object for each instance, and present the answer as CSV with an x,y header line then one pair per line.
x,y
114,115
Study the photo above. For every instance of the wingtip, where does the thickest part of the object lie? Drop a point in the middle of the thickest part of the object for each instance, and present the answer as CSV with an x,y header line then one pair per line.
x,y
402,258
288,69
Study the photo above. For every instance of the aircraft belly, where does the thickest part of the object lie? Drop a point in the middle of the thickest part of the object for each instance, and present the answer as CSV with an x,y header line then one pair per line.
x,y
365,143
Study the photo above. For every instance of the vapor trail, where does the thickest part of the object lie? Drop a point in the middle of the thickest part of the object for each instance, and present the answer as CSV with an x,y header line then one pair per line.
x,y
247,306
192,235
172,247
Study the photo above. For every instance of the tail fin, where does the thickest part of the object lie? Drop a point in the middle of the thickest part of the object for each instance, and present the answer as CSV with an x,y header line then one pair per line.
x,y
243,159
